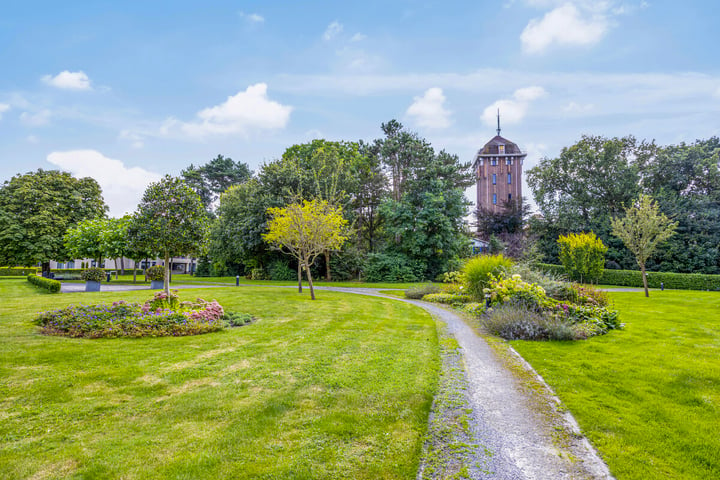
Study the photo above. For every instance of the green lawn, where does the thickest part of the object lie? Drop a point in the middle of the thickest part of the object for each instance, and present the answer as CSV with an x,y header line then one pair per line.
x,y
648,397
336,388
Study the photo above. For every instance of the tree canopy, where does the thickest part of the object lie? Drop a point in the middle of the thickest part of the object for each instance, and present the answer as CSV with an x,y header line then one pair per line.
x,y
37,208
209,181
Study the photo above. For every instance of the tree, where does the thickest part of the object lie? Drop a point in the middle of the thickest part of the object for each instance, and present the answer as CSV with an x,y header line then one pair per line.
x,y
582,255
85,240
642,229
114,239
582,189
307,230
170,220
37,208
213,178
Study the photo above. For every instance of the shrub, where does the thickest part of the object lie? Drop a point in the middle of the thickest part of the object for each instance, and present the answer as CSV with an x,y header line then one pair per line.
x,y
132,320
93,274
17,271
514,289
419,292
474,309
280,270
478,272
452,277
447,298
155,273
52,286
515,321
384,267
237,319
582,255
162,301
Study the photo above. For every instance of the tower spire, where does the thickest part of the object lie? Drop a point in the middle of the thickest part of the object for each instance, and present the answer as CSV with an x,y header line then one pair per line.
x,y
498,117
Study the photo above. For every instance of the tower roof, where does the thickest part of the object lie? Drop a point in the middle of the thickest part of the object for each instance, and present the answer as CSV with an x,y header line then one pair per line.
x,y
491,147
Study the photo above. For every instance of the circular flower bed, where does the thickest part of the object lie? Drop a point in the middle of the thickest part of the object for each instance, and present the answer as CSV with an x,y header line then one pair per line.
x,y
160,316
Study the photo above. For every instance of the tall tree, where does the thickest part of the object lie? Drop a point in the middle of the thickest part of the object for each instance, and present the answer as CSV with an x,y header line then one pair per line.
x,y
642,229
585,186
114,238
171,220
306,231
213,178
85,240
37,208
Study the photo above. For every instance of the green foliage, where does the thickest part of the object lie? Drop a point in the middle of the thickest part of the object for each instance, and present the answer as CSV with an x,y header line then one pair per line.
x,y
515,290
516,321
237,319
582,255
204,267
36,209
451,277
215,177
478,272
420,291
384,267
93,274
84,240
156,272
170,220
133,320
17,271
52,286
473,308
447,298
280,270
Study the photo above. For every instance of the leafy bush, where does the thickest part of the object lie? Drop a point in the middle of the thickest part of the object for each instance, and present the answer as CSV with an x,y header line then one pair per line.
x,y
419,292
52,286
93,274
587,320
163,301
17,271
633,278
452,277
474,309
447,298
237,319
280,270
514,289
514,321
132,320
582,255
155,273
383,267
257,273
478,272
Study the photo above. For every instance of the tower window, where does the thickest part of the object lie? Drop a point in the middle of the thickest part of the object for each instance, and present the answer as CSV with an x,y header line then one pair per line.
x,y
501,149
494,178
494,198
508,160
509,178
509,196
493,162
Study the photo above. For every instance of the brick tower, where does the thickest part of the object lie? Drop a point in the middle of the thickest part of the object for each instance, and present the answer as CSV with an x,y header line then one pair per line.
x,y
498,169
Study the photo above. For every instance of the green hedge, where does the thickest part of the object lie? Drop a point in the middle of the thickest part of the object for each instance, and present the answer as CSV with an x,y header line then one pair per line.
x,y
52,286
633,278
17,271
128,271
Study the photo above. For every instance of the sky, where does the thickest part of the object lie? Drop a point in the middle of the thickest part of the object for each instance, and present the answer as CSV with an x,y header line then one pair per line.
x,y
126,92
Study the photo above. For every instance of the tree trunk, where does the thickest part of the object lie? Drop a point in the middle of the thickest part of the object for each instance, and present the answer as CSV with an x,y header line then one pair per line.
x,y
45,269
306,261
644,277
167,274
299,276
122,265
135,264
327,266
147,262
116,270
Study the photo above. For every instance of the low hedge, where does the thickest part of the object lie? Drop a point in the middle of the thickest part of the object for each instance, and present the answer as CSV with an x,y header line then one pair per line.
x,y
17,271
128,271
52,286
633,278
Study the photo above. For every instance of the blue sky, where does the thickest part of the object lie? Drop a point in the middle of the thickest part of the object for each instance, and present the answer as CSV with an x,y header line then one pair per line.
x,y
128,91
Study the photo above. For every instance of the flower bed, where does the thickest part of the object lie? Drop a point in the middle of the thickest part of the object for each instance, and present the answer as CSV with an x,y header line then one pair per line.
x,y
160,316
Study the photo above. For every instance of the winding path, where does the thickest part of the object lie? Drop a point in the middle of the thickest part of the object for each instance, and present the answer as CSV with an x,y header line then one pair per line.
x,y
523,433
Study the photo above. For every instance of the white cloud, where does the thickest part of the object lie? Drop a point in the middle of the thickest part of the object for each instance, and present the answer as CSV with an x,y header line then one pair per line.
x,y
716,94
358,37
574,107
429,110
332,30
244,111
252,17
4,107
68,80
36,119
122,186
135,138
565,25
512,110
32,139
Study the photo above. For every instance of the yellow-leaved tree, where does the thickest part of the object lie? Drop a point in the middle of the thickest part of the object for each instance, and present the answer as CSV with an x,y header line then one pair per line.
x,y
306,230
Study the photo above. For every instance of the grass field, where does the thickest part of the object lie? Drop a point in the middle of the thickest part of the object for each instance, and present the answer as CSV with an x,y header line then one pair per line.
x,y
648,397
336,388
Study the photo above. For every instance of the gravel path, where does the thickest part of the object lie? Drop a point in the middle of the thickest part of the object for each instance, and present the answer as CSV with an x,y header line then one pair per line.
x,y
523,433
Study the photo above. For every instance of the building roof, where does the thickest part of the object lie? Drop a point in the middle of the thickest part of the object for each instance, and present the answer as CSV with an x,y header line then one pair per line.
x,y
491,147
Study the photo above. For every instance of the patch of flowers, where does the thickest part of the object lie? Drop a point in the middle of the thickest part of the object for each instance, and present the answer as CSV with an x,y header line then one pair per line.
x,y
160,316
447,298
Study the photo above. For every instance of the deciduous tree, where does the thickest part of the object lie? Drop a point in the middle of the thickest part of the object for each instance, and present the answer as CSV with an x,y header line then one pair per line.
x,y
306,231
582,255
85,240
642,229
210,180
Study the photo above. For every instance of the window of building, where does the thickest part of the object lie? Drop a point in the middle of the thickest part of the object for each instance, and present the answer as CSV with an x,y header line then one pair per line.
x,y
509,196
71,264
509,178
501,149
494,179
494,198
508,160
493,162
